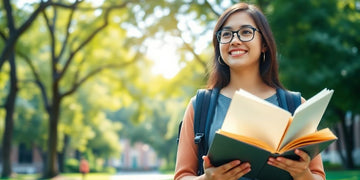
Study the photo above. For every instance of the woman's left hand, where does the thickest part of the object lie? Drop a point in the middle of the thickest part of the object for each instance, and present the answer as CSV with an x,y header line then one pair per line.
x,y
297,169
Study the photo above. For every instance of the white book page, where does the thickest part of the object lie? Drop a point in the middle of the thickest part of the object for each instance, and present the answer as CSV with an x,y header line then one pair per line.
x,y
251,116
307,116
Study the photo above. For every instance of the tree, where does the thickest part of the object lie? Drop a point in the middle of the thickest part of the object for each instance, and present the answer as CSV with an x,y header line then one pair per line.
x,y
9,123
8,52
318,48
68,58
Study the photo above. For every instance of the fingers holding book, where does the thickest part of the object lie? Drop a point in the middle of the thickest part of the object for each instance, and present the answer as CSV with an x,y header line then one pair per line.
x,y
296,168
232,170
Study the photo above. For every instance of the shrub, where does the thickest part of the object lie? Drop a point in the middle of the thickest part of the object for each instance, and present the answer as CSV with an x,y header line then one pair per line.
x,y
332,166
72,165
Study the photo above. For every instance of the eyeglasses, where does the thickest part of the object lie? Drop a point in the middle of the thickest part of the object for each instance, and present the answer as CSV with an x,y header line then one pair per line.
x,y
245,34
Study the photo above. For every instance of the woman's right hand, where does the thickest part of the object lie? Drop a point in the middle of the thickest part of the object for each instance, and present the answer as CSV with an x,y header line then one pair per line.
x,y
229,171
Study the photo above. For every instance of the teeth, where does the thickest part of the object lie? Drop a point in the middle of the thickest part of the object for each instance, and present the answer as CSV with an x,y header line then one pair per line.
x,y
237,52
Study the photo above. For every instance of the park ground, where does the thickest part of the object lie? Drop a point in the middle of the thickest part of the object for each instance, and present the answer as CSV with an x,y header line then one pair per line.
x,y
330,175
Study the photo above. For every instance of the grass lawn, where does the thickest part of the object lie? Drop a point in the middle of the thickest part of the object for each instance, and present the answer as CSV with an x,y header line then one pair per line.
x,y
74,176
343,175
330,175
78,176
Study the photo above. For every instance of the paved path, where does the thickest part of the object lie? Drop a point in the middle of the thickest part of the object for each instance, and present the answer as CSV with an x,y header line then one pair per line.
x,y
141,176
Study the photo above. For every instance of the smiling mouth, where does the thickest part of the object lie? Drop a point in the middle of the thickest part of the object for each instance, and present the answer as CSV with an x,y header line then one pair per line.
x,y
237,52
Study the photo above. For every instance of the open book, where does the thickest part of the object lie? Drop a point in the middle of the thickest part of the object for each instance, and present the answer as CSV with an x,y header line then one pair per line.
x,y
255,129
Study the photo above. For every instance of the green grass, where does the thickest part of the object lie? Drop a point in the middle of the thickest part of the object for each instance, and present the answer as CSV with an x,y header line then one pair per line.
x,y
91,176
67,176
330,175
343,175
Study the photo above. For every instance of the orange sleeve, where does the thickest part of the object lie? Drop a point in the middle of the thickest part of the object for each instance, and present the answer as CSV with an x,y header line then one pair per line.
x,y
186,159
316,166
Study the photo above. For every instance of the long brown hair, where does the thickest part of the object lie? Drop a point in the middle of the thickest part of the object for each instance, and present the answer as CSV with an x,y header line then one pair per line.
x,y
220,73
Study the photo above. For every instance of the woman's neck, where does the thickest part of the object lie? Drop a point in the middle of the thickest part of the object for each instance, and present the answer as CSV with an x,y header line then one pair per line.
x,y
249,81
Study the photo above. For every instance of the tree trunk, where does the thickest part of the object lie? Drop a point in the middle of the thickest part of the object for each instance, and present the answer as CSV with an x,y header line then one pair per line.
x,y
77,154
338,144
62,154
349,145
61,161
9,119
348,140
51,168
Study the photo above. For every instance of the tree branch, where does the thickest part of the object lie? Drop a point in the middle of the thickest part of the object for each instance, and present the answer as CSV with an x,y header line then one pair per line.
x,y
68,29
76,77
98,70
212,9
37,79
197,57
51,28
10,43
191,49
9,17
33,16
90,37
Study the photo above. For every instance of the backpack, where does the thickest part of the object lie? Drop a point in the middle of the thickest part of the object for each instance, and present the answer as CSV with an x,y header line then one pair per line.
x,y
205,104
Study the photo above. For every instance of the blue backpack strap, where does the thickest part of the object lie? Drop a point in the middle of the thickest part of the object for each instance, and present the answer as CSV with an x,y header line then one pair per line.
x,y
201,108
179,130
198,121
288,100
204,111
210,115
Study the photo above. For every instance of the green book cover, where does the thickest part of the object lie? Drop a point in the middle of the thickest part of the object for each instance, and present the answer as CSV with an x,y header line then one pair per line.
x,y
254,129
225,149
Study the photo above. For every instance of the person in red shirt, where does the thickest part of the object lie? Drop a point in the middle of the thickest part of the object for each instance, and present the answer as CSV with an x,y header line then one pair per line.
x,y
84,167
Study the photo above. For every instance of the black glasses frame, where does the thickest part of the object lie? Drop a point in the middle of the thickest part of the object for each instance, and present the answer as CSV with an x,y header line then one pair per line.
x,y
218,34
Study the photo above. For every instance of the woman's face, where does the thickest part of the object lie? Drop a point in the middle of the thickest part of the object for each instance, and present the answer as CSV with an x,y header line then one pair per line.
x,y
237,53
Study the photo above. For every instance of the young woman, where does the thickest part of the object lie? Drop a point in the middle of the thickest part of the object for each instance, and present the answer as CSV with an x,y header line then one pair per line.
x,y
245,57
